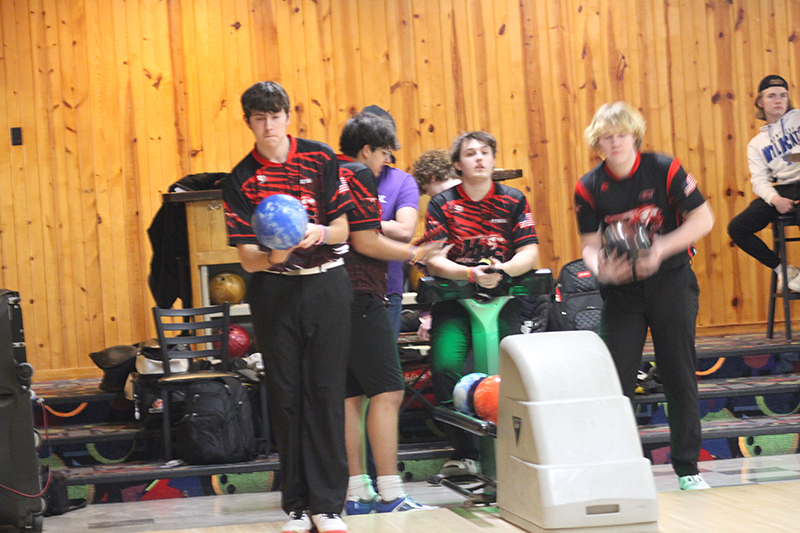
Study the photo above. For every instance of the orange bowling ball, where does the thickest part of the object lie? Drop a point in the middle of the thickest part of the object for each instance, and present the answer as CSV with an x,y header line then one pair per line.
x,y
486,398
226,287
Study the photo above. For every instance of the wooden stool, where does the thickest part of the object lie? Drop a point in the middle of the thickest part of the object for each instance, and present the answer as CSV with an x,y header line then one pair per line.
x,y
779,241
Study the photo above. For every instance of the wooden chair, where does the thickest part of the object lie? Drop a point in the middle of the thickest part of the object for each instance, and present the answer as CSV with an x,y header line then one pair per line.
x,y
779,241
202,333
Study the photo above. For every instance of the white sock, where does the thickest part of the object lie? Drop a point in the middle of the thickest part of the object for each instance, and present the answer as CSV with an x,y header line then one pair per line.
x,y
390,488
360,487
777,269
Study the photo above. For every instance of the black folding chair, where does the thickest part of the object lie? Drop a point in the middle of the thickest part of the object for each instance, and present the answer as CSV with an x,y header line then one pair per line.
x,y
202,333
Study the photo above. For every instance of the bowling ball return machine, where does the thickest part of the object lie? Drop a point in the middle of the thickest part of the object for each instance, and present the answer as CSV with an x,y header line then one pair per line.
x,y
484,307
568,454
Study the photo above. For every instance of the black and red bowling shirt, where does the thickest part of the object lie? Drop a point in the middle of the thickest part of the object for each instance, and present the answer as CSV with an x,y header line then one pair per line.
x,y
657,194
367,275
495,226
310,174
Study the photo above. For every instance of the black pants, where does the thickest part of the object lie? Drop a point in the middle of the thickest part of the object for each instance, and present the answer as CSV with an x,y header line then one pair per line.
x,y
757,216
666,303
302,325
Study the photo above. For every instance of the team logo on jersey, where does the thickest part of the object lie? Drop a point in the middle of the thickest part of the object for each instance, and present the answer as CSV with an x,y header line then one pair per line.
x,y
382,198
481,245
305,181
604,187
649,216
310,203
691,185
498,221
646,195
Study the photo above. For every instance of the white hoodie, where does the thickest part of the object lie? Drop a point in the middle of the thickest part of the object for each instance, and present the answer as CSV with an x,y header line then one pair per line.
x,y
765,155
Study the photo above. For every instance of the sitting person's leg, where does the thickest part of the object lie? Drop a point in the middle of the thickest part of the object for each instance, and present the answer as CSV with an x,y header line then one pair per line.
x,y
451,339
743,227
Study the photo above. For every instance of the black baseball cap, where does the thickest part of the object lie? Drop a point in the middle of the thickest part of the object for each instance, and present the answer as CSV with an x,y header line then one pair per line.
x,y
380,112
772,80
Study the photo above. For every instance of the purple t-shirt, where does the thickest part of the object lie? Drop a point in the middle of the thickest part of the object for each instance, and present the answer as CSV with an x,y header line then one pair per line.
x,y
396,189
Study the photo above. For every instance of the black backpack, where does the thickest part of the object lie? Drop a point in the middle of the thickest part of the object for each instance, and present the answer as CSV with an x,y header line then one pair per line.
x,y
578,303
217,426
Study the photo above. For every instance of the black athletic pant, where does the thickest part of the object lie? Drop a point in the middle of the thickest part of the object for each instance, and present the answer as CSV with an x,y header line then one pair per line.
x,y
302,325
757,216
667,304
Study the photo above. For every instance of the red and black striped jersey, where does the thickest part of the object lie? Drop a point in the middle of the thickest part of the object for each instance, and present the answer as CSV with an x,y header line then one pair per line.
x,y
657,194
310,174
496,226
367,275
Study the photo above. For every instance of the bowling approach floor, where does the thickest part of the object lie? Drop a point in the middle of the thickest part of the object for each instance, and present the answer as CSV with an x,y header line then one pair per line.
x,y
751,495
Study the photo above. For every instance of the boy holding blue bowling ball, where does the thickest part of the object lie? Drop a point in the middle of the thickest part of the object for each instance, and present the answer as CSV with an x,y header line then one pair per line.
x,y
300,305
658,290
373,365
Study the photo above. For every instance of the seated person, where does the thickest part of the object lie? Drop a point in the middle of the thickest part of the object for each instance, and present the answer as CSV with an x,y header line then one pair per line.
x,y
489,225
434,173
775,180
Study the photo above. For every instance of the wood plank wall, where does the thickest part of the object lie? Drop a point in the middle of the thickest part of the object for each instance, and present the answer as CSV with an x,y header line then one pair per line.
x,y
117,99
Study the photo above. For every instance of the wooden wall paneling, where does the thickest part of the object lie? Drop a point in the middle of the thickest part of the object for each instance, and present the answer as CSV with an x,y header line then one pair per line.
x,y
285,57
316,103
402,79
10,160
25,182
235,32
191,63
537,139
328,111
738,194
714,265
564,171
218,73
180,88
348,80
373,60
793,14
702,131
45,209
7,244
460,44
783,29
486,64
300,92
71,98
137,248
649,79
154,119
102,100
435,64
510,89
425,27
202,46
142,77
264,35
69,358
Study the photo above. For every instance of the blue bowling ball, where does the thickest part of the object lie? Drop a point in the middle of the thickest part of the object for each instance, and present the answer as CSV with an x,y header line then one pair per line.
x,y
280,221
464,391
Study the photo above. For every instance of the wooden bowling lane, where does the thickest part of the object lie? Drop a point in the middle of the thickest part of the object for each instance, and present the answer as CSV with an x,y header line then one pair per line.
x,y
762,508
